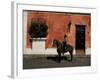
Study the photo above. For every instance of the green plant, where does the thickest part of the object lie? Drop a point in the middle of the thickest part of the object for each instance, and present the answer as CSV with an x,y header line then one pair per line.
x,y
38,30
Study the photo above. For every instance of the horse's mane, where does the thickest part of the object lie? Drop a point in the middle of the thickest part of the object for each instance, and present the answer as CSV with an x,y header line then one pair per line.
x,y
58,42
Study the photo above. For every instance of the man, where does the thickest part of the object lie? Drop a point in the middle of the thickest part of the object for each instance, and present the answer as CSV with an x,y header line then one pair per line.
x,y
64,43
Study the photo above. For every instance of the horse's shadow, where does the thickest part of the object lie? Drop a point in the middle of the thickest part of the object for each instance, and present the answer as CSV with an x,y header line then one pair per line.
x,y
56,58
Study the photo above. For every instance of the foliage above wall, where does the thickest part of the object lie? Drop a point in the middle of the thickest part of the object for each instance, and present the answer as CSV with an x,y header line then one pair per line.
x,y
38,30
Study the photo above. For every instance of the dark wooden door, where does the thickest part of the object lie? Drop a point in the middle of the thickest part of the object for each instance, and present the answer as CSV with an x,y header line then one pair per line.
x,y
80,37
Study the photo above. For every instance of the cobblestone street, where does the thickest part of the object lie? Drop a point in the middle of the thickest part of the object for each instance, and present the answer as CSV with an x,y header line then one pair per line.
x,y
51,61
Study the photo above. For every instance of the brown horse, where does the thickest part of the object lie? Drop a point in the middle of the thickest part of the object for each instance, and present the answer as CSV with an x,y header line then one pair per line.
x,y
60,50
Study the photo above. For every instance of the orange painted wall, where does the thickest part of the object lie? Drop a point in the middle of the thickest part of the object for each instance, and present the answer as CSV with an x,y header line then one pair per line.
x,y
57,26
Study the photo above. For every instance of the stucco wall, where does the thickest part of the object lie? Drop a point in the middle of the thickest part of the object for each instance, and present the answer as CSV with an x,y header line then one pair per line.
x,y
57,26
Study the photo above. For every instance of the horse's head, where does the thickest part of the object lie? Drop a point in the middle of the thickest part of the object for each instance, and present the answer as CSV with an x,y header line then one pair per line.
x,y
54,43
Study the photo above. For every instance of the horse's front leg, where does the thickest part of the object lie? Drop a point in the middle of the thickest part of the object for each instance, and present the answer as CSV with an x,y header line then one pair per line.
x,y
59,56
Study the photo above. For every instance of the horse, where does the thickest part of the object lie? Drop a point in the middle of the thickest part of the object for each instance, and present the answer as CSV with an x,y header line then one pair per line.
x,y
60,50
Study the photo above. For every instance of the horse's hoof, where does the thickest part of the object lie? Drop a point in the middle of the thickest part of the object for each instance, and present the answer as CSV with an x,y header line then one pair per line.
x,y
59,61
71,60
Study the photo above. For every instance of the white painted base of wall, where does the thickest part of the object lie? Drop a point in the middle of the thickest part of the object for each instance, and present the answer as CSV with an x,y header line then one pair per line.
x,y
74,51
38,47
88,51
52,51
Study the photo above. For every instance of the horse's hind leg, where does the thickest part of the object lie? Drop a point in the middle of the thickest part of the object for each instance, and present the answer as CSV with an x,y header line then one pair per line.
x,y
71,54
59,57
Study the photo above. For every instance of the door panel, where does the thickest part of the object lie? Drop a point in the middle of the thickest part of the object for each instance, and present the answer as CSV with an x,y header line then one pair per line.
x,y
80,37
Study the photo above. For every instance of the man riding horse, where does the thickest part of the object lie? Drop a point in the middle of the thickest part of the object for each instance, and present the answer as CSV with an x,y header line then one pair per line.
x,y
63,47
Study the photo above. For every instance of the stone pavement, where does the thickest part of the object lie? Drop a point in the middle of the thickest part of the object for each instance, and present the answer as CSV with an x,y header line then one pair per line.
x,y
51,61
